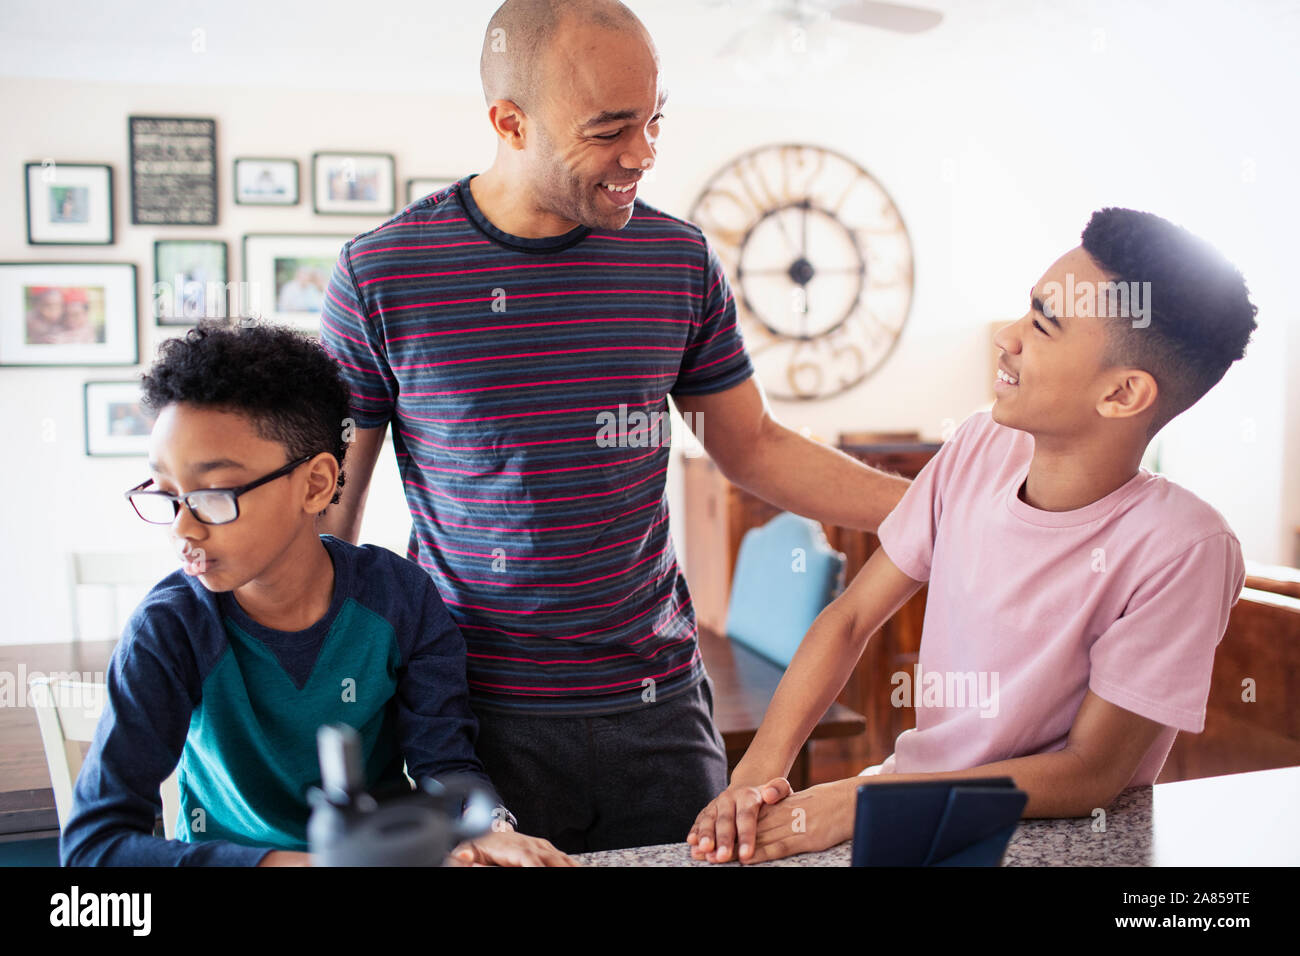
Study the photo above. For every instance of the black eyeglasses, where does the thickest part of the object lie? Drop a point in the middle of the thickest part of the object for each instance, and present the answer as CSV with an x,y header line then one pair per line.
x,y
209,505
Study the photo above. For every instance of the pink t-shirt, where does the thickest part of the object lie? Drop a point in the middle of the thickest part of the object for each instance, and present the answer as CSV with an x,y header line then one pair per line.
x,y
1028,609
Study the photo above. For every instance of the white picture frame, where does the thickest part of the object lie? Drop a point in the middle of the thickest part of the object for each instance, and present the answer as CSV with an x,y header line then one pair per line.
x,y
285,277
421,186
69,204
117,424
69,313
353,184
260,181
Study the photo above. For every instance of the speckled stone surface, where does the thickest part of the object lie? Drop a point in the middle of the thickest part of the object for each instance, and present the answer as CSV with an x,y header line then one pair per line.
x,y
1126,841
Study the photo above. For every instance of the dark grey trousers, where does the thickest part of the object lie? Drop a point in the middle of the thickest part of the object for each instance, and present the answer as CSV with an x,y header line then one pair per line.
x,y
606,782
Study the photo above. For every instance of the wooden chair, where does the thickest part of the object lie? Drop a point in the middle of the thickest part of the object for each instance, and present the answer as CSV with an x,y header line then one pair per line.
x,y
67,712
785,576
1273,577
126,577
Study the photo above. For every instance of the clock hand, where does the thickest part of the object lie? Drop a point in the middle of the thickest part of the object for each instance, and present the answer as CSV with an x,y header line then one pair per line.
x,y
780,223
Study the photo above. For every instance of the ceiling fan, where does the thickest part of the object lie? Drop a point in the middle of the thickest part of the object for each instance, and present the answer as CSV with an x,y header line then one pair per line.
x,y
771,22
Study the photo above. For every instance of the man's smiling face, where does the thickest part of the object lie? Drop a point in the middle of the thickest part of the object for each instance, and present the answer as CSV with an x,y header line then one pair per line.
x,y
597,126
1053,373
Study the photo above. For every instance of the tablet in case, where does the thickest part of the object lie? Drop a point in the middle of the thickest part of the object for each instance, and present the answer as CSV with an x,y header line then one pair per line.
x,y
944,823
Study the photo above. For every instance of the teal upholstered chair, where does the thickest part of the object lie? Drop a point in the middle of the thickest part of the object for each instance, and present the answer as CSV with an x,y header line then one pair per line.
x,y
786,573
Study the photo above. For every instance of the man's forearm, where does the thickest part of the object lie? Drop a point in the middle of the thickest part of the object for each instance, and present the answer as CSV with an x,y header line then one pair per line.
x,y
343,520
814,480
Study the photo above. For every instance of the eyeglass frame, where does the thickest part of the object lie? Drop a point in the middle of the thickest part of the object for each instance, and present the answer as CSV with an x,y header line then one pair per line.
x,y
234,494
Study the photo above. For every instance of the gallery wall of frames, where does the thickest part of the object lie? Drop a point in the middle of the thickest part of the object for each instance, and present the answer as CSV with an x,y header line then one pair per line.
x,y
112,190
90,314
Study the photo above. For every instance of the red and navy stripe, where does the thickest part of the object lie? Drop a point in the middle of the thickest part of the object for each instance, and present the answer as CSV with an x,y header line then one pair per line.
x,y
494,358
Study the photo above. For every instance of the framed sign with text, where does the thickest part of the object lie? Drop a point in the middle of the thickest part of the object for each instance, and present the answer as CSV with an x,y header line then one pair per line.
x,y
173,170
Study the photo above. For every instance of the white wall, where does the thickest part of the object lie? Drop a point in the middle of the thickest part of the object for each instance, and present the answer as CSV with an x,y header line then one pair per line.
x,y
996,135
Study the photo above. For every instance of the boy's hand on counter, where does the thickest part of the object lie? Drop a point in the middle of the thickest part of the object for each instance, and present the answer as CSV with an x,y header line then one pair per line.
x,y
814,819
732,817
505,847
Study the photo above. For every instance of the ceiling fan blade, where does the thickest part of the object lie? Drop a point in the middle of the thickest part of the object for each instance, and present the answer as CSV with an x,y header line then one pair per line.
x,y
888,16
732,45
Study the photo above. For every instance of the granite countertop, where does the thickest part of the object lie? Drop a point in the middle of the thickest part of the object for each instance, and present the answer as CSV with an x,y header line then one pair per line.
x,y
1126,841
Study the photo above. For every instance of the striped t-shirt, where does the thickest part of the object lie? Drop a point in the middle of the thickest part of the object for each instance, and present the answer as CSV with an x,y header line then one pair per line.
x,y
523,378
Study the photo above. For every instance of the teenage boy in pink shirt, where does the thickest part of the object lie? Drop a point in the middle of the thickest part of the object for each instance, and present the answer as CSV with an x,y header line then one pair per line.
x,y
1075,598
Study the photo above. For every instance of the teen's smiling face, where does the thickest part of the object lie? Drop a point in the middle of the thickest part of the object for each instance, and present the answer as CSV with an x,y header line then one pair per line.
x,y
192,448
597,125
1052,375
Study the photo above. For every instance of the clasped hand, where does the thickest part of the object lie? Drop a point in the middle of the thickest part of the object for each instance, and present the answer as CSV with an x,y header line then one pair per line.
x,y
771,821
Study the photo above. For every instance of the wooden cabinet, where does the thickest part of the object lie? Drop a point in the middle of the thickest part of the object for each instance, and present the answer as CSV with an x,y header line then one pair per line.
x,y
1252,717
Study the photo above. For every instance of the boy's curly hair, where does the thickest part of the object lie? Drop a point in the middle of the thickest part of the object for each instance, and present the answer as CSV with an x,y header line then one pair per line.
x,y
282,380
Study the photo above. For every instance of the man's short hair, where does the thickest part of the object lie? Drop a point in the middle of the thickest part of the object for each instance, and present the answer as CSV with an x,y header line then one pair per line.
x,y
1198,316
285,383
512,65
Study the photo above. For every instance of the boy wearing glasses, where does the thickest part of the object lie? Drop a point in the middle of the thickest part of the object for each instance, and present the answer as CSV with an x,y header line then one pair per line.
x,y
268,630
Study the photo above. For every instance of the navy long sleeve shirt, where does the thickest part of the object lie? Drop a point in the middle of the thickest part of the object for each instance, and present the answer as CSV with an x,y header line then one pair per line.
x,y
198,682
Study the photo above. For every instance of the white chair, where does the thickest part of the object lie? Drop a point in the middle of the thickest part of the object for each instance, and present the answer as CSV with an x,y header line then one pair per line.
x,y
67,712
126,577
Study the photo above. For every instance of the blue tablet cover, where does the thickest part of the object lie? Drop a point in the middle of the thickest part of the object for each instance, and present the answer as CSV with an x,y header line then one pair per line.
x,y
945,823
976,826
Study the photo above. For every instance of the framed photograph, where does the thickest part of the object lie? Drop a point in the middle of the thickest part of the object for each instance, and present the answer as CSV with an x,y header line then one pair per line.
x,y
266,182
173,170
117,423
353,184
68,313
69,204
285,277
189,281
420,187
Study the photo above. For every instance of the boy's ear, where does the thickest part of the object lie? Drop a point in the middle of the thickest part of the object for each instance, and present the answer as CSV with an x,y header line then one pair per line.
x,y
322,479
1130,392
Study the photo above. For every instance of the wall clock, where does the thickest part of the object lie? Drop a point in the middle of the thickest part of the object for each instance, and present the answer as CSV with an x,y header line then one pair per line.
x,y
819,261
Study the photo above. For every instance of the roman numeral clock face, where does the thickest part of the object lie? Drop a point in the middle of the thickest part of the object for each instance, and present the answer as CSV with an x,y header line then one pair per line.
x,y
819,261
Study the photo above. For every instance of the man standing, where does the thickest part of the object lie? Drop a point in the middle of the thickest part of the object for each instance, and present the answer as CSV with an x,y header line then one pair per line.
x,y
497,324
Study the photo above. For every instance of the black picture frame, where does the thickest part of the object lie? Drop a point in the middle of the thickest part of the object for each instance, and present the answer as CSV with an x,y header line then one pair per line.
x,y
108,204
172,198
297,180
158,278
376,207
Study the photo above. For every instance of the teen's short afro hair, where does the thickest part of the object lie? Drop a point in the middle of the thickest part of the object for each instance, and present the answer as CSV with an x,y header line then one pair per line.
x,y
285,382
1201,316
